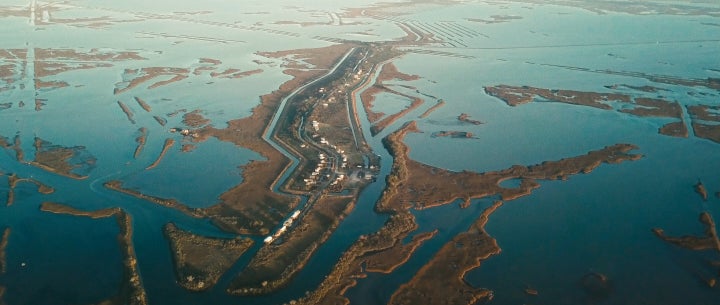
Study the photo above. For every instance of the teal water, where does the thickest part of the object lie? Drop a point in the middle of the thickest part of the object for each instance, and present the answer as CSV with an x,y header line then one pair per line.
x,y
595,222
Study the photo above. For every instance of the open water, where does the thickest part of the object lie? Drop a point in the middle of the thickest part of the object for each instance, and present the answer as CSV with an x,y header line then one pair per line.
x,y
592,222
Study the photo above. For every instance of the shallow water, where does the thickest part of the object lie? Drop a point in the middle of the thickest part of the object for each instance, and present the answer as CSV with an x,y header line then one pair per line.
x,y
592,222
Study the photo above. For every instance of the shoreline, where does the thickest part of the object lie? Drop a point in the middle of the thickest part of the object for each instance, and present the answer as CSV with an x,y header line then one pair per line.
x,y
466,251
169,142
3,250
432,109
407,173
13,180
126,110
140,140
131,291
200,261
274,266
116,185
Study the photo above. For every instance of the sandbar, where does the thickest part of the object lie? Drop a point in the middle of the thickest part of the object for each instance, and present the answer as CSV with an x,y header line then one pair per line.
x,y
140,141
143,75
646,88
430,186
13,181
166,146
388,120
387,72
40,84
17,147
143,104
162,121
58,208
706,121
200,261
129,113
234,73
3,248
432,109
117,186
453,134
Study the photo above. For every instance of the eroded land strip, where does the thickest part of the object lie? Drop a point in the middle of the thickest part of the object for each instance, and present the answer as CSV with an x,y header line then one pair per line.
x,y
433,187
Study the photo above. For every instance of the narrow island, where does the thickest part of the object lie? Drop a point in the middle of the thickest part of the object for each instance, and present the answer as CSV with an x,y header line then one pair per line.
x,y
641,107
117,186
701,190
200,261
127,111
453,134
141,139
166,146
706,121
432,109
3,249
143,104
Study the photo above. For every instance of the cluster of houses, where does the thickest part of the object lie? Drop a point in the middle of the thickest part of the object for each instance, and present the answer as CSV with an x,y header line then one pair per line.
x,y
315,175
284,228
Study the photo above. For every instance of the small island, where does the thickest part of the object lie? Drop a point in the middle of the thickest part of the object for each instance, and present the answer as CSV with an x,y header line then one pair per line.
x,y
3,248
465,118
701,190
